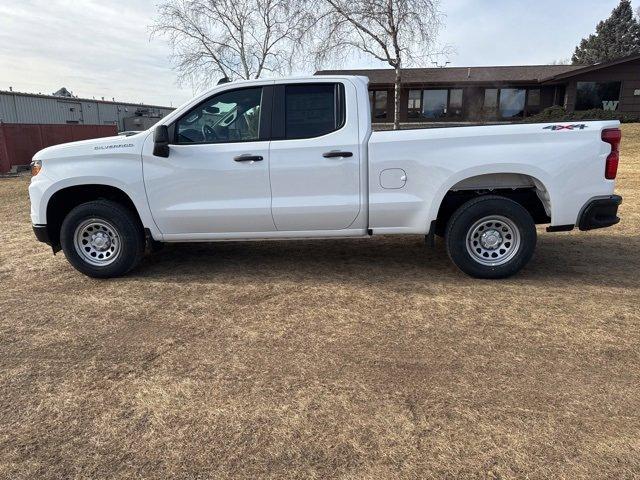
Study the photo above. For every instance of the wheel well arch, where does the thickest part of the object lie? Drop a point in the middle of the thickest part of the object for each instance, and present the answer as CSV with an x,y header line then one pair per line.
x,y
524,189
66,199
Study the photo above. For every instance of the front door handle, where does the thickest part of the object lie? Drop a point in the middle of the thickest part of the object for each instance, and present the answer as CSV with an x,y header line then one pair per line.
x,y
337,154
248,158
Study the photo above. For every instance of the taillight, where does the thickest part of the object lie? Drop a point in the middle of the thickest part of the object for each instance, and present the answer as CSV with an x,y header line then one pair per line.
x,y
612,136
611,167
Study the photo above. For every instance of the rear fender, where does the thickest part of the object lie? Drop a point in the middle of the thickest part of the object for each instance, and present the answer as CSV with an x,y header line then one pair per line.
x,y
540,178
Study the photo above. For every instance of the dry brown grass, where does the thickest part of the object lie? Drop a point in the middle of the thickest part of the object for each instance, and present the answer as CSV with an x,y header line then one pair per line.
x,y
338,359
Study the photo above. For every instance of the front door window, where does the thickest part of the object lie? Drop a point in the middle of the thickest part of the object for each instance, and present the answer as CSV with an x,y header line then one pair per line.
x,y
228,117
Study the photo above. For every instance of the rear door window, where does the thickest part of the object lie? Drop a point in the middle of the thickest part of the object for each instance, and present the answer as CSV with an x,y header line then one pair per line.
x,y
313,110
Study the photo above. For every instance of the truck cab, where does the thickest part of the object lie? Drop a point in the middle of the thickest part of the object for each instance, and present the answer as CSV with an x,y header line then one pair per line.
x,y
255,161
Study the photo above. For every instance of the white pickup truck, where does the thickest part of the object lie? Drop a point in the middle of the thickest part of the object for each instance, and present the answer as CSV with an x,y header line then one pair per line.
x,y
297,158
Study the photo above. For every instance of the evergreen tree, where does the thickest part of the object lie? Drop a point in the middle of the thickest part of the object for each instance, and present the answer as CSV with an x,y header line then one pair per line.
x,y
617,36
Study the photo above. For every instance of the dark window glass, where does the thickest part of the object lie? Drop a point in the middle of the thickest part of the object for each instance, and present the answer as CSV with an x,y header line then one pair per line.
x,y
512,102
490,105
491,98
378,99
603,96
434,103
533,100
310,110
232,116
455,102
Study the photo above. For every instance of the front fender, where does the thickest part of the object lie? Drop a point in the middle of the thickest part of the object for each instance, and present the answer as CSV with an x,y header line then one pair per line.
x,y
129,181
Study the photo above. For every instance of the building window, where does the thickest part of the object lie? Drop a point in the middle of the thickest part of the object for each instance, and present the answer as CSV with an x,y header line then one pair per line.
x,y
455,102
378,101
415,103
533,101
435,104
512,102
603,96
490,108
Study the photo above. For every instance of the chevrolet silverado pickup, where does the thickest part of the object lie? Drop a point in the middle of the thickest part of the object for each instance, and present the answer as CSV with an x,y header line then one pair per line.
x,y
297,158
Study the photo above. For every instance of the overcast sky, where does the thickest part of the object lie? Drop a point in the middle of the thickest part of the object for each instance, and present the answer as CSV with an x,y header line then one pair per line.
x,y
99,48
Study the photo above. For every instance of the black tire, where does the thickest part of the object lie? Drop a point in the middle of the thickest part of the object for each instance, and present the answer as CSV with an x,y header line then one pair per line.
x,y
473,239
122,229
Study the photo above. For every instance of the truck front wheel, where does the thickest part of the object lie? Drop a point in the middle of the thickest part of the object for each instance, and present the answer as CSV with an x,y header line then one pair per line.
x,y
491,237
102,239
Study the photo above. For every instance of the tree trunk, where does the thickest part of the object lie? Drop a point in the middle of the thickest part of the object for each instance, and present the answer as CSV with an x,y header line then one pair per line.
x,y
396,101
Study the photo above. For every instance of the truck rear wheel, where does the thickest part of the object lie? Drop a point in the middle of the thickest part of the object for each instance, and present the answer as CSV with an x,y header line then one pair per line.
x,y
491,237
102,239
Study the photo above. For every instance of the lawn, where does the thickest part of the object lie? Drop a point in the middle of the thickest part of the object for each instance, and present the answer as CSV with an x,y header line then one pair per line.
x,y
339,359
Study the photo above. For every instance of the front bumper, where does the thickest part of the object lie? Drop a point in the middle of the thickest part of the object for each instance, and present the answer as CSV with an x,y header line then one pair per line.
x,y
42,233
600,212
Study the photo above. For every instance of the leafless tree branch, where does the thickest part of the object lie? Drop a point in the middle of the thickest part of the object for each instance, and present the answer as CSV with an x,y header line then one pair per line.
x,y
232,38
397,32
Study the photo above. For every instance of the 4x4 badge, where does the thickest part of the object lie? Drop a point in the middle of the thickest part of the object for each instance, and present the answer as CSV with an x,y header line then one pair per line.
x,y
579,126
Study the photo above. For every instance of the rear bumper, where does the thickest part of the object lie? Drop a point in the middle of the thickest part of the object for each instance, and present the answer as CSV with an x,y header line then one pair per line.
x,y
600,212
42,234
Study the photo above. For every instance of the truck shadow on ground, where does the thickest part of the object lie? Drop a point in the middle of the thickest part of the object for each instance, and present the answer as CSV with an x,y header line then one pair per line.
x,y
589,259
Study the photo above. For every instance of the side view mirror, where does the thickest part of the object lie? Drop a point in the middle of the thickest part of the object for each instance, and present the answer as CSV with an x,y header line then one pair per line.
x,y
161,141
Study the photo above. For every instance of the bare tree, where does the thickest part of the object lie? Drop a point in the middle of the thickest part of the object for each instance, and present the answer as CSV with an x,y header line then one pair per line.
x,y
231,38
397,32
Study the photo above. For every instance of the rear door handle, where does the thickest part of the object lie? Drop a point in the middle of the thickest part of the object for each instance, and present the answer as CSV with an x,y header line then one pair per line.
x,y
248,158
337,154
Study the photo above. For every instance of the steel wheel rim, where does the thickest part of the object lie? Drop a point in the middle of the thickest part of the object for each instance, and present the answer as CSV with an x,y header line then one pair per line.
x,y
97,242
493,240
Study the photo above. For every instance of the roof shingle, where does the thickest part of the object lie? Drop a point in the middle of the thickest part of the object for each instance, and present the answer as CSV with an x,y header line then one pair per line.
x,y
462,75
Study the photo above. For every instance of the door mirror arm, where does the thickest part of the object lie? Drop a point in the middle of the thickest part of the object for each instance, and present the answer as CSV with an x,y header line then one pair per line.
x,y
161,141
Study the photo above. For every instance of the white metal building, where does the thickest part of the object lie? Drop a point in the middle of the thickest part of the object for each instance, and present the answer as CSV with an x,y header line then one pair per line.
x,y
29,108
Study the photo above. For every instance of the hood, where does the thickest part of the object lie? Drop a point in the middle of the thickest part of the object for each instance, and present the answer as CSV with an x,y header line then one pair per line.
x,y
94,147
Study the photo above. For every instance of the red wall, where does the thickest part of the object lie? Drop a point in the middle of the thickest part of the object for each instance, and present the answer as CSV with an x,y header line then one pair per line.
x,y
20,141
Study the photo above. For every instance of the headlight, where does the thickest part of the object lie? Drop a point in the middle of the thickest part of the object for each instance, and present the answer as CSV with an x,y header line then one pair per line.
x,y
36,166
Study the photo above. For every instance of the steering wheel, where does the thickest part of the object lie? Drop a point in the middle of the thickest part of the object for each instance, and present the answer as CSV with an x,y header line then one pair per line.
x,y
208,133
